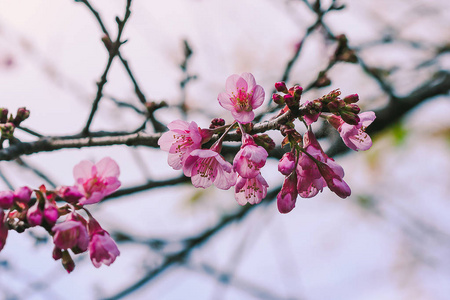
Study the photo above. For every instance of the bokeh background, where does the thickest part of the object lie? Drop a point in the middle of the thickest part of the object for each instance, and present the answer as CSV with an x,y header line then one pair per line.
x,y
389,240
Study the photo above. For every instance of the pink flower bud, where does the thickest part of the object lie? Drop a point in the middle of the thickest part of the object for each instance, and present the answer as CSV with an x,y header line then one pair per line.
x,y
287,163
6,199
277,99
287,197
34,215
50,212
22,114
3,229
70,194
67,261
23,194
281,87
350,118
298,90
351,98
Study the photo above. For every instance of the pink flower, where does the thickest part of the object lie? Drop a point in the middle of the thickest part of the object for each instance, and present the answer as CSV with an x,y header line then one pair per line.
x,y
3,229
354,136
333,173
50,212
6,199
287,197
70,194
71,234
241,96
180,141
97,181
207,166
309,179
251,190
102,247
250,158
287,163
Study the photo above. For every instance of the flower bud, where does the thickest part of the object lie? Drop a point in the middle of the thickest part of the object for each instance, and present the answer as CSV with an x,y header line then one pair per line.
x,y
67,261
281,87
22,194
278,99
287,196
291,102
350,118
34,215
3,115
351,98
70,194
216,122
57,253
287,163
353,108
298,90
51,213
22,114
7,130
6,199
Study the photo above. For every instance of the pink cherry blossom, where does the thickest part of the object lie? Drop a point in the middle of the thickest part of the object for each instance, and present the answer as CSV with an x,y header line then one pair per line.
x,y
102,248
23,194
3,229
250,158
71,234
35,215
96,181
287,196
251,190
207,166
180,141
333,173
50,212
354,136
242,95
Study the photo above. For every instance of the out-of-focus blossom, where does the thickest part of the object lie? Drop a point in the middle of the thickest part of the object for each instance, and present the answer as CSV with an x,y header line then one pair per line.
x,y
180,141
242,95
96,181
3,229
23,194
6,199
102,248
250,158
251,190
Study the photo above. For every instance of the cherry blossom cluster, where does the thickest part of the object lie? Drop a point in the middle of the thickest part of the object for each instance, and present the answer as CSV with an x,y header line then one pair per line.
x,y
19,210
306,167
9,124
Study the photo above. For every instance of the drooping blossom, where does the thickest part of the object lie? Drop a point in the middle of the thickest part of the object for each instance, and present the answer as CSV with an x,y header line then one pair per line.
x,y
207,166
181,139
102,248
250,158
287,196
96,181
312,178
71,234
251,190
354,136
242,95
6,199
287,163
3,229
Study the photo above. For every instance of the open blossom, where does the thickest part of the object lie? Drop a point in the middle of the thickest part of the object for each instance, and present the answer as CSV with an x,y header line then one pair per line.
x,y
181,139
71,234
354,136
242,95
250,158
251,190
96,181
207,166
102,248
312,178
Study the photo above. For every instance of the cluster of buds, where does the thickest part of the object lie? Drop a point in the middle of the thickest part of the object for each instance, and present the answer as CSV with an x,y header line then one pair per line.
x,y
306,167
93,182
7,125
